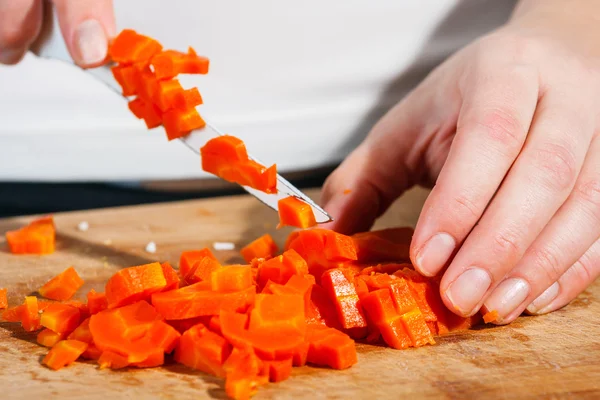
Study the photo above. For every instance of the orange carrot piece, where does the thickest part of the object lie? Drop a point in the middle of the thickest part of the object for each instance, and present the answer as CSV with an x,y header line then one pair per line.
x,y
91,353
179,123
182,325
187,99
490,316
49,338
263,247
15,314
300,355
112,360
202,270
171,63
132,284
61,318
166,94
204,350
330,347
63,286
147,111
155,359
64,353
30,317
197,300
82,332
130,47
36,238
232,278
343,293
243,373
278,312
3,299
215,324
278,371
281,268
126,76
414,323
190,257
96,301
171,277
295,212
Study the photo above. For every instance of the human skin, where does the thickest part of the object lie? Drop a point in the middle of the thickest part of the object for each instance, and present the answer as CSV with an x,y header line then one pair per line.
x,y
506,132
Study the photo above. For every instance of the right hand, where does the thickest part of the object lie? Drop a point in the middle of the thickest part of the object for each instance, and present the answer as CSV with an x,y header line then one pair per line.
x,y
86,25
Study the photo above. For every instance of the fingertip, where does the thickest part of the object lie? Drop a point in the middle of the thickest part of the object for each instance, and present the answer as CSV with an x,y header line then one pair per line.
x,y
90,44
11,56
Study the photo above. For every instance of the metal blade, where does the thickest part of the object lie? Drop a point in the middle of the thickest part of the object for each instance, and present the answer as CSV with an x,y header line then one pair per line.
x,y
50,44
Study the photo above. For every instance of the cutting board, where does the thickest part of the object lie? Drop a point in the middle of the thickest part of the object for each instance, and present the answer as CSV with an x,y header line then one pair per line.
x,y
552,356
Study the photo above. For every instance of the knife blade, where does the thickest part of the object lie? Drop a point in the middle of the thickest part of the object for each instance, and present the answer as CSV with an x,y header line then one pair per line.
x,y
50,44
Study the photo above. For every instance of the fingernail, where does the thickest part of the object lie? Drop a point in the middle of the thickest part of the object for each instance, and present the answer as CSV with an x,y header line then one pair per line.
x,y
468,290
90,42
11,56
537,306
508,296
435,254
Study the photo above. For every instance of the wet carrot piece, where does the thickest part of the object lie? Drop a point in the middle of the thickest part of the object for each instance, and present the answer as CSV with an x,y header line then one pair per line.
x,y
63,286
204,350
295,212
61,318
232,278
330,347
343,293
49,338
64,353
263,247
82,332
191,257
132,284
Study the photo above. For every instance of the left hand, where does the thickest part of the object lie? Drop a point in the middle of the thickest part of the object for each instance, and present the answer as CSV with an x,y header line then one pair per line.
x,y
509,131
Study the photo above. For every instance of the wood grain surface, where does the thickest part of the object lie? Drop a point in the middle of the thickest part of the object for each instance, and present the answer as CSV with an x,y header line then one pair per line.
x,y
554,356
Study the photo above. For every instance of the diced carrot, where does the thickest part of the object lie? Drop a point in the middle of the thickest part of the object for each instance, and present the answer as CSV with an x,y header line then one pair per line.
x,y
166,94
3,299
96,301
171,277
112,360
343,293
490,316
380,309
417,328
182,325
30,317
330,347
147,111
197,300
15,314
129,47
126,76
155,359
61,318
187,99
82,332
242,369
63,286
191,257
295,212
171,63
278,371
91,353
202,349
281,268
263,247
233,278
278,313
179,123
215,324
300,355
64,353
49,338
36,238
132,284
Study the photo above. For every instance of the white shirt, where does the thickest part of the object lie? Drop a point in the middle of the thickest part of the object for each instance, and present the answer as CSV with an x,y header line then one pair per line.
x,y
301,82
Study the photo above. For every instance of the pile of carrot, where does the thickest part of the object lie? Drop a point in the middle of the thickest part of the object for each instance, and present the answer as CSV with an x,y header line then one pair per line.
x,y
249,324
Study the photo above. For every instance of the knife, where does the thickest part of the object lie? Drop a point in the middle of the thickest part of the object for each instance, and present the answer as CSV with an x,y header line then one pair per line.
x,y
50,44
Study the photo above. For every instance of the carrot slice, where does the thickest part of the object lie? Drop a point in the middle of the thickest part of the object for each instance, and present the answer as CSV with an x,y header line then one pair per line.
x,y
191,257
36,238
132,284
63,286
204,350
490,316
197,300
61,318
233,278
96,301
64,353
30,317
49,338
263,247
129,47
171,63
343,293
3,299
295,212
179,123
330,347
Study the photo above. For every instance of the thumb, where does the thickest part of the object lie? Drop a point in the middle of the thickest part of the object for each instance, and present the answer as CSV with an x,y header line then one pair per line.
x,y
87,26
392,158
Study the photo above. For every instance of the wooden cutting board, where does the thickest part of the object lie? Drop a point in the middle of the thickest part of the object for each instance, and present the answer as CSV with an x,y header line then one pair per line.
x,y
553,356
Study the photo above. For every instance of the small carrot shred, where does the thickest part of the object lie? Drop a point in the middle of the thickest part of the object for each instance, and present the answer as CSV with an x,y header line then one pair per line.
x,y
490,316
3,299
263,247
295,212
36,238
64,353
63,286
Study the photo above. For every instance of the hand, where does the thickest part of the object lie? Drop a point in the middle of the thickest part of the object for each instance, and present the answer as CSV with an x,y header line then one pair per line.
x,y
509,127
86,25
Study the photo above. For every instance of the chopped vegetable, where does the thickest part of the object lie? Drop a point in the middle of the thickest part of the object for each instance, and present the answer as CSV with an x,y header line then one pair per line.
x,y
134,283
36,238
490,316
295,212
30,317
3,299
61,318
263,247
64,353
191,257
170,63
49,338
96,301
63,286
130,47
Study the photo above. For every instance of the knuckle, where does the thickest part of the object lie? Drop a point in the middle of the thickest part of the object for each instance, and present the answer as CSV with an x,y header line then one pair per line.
x,y
463,208
501,127
506,246
588,193
547,262
557,166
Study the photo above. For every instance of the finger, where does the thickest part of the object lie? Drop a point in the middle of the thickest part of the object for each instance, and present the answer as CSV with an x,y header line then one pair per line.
x,y
20,23
538,183
390,159
87,26
494,119
571,232
574,281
